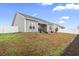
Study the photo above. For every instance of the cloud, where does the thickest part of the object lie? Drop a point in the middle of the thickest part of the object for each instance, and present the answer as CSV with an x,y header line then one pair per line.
x,y
64,18
61,21
59,8
67,7
45,4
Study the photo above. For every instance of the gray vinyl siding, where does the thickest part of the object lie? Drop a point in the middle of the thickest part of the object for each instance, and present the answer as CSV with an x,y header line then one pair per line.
x,y
19,21
47,28
24,23
31,23
53,26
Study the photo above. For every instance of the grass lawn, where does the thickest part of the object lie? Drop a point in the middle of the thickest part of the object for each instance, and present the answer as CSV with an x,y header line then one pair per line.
x,y
34,43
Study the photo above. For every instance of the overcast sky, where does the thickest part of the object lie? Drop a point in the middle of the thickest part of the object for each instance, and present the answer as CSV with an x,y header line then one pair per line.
x,y
64,14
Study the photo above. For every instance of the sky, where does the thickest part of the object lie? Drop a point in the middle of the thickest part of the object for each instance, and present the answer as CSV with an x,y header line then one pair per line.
x,y
65,14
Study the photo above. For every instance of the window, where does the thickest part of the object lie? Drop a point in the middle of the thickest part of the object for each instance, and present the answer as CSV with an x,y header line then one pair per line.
x,y
33,27
30,27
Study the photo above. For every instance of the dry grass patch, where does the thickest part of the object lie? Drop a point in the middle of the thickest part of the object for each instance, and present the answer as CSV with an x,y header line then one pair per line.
x,y
34,43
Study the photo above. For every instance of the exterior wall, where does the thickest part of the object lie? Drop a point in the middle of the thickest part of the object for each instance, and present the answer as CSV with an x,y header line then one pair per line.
x,y
39,21
31,23
19,21
52,26
42,22
48,28
24,23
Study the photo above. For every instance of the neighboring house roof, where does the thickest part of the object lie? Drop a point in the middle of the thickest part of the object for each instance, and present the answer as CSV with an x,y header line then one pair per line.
x,y
38,19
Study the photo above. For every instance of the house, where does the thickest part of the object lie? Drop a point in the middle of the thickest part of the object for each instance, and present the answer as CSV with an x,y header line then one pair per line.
x,y
27,23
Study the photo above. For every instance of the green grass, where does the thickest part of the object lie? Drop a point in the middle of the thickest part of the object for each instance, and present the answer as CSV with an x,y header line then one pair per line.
x,y
5,37
34,43
57,51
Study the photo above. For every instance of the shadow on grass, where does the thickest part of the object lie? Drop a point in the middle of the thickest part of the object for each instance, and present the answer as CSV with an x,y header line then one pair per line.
x,y
73,48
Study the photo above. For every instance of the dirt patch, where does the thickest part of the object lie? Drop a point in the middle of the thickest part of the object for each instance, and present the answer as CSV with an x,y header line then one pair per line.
x,y
73,48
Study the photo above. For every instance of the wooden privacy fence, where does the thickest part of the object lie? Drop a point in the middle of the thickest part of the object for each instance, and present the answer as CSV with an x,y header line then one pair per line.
x,y
8,29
